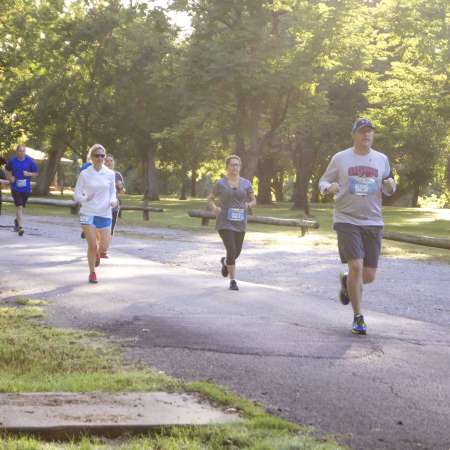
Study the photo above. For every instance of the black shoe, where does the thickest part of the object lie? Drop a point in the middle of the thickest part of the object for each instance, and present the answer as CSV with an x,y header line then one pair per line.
x,y
343,293
224,267
233,285
20,231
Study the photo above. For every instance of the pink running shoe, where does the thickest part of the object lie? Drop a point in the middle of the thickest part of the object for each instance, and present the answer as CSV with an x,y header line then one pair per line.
x,y
93,277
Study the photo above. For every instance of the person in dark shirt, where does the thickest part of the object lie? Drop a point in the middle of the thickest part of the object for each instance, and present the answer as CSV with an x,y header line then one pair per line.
x,y
20,169
120,188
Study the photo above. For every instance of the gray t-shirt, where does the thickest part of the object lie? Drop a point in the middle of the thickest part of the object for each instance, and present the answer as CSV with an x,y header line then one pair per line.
x,y
232,202
360,179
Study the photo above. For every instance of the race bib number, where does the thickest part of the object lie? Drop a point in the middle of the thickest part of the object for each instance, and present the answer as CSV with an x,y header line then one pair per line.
x,y
86,220
362,185
21,183
236,214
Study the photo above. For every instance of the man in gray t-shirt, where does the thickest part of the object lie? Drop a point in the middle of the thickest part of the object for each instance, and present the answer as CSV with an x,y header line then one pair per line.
x,y
358,176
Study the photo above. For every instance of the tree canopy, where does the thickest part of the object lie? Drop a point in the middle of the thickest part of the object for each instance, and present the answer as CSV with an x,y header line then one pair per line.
x,y
278,82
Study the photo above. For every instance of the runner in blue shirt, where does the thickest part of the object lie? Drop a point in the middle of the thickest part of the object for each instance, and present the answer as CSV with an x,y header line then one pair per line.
x,y
85,165
20,169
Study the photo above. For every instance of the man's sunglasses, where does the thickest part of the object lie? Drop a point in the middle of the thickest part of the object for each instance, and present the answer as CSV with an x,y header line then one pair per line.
x,y
99,155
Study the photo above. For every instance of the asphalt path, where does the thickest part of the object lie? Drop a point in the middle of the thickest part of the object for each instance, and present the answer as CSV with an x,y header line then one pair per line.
x,y
287,347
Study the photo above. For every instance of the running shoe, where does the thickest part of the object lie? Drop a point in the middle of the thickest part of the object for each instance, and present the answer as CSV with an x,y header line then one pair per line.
x,y
224,267
20,231
97,260
16,225
359,326
343,293
233,285
93,277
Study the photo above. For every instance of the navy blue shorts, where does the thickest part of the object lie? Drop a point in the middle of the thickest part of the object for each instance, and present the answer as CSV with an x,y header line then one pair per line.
x,y
359,242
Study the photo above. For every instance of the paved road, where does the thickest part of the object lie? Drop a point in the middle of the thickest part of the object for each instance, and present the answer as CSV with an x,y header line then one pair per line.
x,y
288,348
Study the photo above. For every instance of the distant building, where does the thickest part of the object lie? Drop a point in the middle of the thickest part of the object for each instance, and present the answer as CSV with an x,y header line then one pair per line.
x,y
41,157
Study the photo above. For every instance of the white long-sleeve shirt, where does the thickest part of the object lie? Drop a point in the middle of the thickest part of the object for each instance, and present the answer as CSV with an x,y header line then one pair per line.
x,y
96,190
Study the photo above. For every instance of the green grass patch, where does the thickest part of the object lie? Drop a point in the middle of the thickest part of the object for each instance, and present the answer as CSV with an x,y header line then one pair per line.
x,y
30,302
37,358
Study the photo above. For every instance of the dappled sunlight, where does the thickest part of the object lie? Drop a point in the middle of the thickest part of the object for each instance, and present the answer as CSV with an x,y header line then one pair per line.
x,y
414,220
403,250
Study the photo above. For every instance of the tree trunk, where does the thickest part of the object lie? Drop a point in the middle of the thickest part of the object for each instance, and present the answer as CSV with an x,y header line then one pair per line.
x,y
277,183
448,173
415,196
315,191
151,175
305,156
48,172
300,198
194,182
184,183
183,194
240,126
264,177
250,161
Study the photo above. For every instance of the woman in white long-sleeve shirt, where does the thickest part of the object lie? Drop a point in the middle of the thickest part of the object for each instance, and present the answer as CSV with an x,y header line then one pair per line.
x,y
96,191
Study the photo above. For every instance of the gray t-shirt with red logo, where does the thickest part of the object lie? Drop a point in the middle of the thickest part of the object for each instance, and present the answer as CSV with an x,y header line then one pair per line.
x,y
360,179
232,203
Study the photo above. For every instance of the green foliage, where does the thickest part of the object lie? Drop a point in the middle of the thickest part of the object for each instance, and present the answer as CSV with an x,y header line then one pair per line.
x,y
34,357
278,82
410,95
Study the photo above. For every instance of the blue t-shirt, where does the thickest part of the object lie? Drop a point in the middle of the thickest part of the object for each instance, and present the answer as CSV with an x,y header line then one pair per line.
x,y
17,167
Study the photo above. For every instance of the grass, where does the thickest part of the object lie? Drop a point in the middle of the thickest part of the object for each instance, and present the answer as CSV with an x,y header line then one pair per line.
x,y
429,222
37,358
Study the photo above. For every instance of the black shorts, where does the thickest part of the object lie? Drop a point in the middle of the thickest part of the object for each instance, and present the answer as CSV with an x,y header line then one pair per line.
x,y
359,242
20,198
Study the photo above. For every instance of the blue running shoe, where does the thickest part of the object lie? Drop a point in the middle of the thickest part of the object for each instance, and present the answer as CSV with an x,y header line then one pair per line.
x,y
343,293
233,285
359,326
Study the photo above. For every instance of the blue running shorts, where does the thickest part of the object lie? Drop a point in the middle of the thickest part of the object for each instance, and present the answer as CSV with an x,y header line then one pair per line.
x,y
96,221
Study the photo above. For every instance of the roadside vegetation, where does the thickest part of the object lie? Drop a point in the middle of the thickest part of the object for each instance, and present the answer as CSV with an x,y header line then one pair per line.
x,y
35,357
419,221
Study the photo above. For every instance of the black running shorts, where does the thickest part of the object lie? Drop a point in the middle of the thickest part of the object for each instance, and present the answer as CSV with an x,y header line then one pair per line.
x,y
359,242
20,198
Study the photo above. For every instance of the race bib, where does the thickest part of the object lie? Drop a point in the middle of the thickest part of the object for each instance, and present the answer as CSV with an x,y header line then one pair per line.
x,y
21,183
236,214
86,220
362,185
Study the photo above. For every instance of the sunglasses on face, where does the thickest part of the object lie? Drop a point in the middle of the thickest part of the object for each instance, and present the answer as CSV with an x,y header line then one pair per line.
x,y
99,155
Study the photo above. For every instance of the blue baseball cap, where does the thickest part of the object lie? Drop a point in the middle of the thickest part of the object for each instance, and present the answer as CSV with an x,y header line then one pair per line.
x,y
361,123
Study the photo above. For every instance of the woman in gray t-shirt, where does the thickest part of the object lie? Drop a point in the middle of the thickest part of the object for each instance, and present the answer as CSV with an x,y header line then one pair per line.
x,y
235,196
